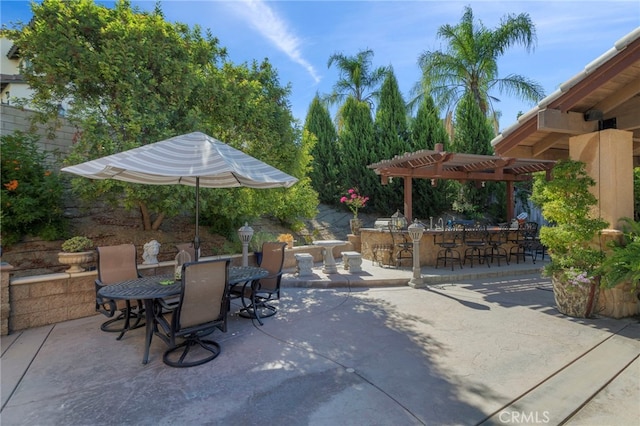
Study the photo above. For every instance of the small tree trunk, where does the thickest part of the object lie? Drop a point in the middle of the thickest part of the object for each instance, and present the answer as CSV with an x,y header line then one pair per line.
x,y
146,219
158,222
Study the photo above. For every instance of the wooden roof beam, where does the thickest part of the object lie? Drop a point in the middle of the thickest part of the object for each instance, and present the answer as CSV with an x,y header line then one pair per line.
x,y
573,123
619,97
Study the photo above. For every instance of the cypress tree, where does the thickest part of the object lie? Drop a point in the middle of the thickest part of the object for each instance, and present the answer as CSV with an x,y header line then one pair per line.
x,y
391,140
427,130
356,140
473,136
324,172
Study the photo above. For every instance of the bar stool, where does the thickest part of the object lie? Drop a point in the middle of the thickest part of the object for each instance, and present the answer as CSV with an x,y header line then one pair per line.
x,y
496,249
449,241
476,242
524,240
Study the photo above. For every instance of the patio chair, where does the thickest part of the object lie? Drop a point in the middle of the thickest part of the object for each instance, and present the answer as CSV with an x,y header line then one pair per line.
x,y
402,247
202,307
449,241
497,240
525,241
256,295
475,239
116,264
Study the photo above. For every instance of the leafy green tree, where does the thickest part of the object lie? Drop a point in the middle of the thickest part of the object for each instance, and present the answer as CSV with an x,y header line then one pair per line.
x,y
356,138
31,202
391,139
469,63
247,107
427,130
324,172
136,79
357,78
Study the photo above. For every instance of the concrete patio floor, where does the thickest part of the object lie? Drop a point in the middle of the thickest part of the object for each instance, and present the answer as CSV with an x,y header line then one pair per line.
x,y
477,346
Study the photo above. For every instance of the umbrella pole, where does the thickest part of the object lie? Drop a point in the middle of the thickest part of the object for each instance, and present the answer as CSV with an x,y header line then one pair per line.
x,y
196,239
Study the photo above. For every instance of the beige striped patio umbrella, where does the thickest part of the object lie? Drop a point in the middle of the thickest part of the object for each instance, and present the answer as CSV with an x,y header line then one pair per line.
x,y
194,159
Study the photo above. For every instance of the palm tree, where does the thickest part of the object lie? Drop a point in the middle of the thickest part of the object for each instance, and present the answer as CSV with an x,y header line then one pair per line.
x,y
469,64
356,77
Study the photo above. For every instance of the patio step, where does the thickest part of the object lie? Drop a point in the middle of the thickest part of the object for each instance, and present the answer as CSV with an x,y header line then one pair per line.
x,y
376,276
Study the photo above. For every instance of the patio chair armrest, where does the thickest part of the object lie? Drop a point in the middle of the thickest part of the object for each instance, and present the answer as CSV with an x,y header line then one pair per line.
x,y
106,307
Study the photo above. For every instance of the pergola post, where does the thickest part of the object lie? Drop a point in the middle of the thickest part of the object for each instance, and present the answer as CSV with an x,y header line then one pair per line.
x,y
510,204
408,199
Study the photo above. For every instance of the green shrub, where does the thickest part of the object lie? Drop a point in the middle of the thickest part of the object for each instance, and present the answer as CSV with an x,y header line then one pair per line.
x,y
77,244
567,204
31,201
623,263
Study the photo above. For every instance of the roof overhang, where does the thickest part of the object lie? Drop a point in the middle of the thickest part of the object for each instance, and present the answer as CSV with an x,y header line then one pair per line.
x,y
606,94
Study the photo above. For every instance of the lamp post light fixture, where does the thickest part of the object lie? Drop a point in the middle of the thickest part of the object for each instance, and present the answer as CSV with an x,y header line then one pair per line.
x,y
245,233
416,230
398,221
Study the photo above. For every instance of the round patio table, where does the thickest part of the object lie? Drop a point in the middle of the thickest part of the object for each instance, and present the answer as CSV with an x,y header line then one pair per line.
x,y
149,289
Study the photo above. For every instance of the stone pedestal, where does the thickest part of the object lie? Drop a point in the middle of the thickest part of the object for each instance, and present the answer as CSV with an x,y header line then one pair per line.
x,y
304,263
352,261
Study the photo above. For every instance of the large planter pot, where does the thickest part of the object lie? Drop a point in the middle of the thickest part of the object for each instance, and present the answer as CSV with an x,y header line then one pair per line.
x,y
75,260
355,225
578,301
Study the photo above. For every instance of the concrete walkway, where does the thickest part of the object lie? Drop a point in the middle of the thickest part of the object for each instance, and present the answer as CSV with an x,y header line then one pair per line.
x,y
477,346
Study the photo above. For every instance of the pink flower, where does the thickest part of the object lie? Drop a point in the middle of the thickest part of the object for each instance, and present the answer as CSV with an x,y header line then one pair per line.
x,y
354,202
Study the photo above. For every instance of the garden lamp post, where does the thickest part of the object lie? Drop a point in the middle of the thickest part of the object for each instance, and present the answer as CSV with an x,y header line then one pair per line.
x,y
416,229
245,233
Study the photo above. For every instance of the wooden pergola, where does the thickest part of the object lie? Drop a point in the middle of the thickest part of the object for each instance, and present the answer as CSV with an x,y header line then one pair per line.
x,y
439,165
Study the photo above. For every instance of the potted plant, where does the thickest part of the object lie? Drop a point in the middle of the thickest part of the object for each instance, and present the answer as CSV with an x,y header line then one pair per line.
x,y
572,239
286,238
255,245
75,252
620,273
354,202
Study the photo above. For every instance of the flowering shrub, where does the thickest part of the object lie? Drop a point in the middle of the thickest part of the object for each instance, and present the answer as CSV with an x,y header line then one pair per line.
x,y
354,201
576,277
30,194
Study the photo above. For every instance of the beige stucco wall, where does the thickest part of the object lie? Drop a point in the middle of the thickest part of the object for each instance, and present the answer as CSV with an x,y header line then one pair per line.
x,y
608,155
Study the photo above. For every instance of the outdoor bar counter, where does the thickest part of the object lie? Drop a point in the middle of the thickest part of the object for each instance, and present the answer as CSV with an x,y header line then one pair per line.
x,y
370,237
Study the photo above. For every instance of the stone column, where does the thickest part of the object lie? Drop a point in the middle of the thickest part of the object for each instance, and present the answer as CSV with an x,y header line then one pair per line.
x,y
5,307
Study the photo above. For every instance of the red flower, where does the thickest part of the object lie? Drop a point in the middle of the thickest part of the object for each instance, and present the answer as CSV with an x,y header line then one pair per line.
x,y
12,185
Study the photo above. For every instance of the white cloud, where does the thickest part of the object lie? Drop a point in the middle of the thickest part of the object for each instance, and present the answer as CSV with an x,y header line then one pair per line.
x,y
275,29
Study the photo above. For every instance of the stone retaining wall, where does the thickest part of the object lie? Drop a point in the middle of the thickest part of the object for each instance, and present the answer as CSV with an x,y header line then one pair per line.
x,y
39,300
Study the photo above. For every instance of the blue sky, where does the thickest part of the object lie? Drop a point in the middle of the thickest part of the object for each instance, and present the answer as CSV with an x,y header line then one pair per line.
x,y
299,36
